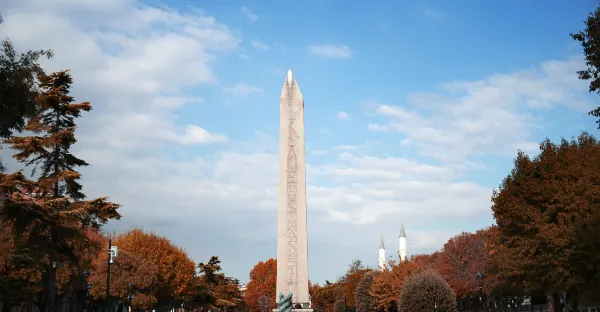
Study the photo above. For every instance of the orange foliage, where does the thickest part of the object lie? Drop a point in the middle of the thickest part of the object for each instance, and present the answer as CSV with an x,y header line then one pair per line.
x,y
127,268
430,261
262,286
462,257
386,286
166,267
349,287
324,297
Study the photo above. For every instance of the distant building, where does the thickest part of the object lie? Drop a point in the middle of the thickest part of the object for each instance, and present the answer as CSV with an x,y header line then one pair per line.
x,y
402,249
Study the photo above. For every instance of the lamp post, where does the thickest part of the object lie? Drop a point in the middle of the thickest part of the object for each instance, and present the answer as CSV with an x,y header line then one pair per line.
x,y
86,287
480,278
113,251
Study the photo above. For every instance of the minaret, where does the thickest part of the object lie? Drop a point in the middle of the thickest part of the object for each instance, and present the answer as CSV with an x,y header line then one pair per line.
x,y
402,244
381,254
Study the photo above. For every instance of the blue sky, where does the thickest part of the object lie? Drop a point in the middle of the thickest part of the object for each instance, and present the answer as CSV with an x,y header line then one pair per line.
x,y
414,111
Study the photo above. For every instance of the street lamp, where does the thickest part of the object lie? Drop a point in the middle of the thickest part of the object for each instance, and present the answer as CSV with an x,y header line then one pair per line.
x,y
480,278
87,286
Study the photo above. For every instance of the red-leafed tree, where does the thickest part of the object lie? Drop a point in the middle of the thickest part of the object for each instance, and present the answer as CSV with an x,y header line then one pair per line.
x,y
428,261
540,208
176,270
324,297
260,291
386,285
464,257
131,275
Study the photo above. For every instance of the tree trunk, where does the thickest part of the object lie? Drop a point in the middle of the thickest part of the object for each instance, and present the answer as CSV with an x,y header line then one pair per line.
x,y
553,302
51,299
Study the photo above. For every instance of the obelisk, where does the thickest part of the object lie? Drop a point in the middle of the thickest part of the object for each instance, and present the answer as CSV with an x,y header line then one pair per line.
x,y
292,244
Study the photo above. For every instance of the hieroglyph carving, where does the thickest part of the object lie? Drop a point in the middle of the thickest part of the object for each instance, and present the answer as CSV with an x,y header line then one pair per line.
x,y
292,201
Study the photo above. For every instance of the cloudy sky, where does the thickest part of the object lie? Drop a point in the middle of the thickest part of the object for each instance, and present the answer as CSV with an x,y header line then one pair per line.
x,y
414,111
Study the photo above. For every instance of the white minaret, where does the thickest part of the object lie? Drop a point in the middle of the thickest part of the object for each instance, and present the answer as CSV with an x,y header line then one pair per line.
x,y
381,255
402,244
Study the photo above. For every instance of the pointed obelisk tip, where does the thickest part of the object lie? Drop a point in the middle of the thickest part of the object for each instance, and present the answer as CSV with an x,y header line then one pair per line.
x,y
290,76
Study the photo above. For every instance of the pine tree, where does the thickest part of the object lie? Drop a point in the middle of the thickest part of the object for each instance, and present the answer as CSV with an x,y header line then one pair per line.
x,y
56,214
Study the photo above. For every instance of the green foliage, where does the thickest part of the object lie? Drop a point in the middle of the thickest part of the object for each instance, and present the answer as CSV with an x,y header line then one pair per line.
x,y
426,291
18,92
589,39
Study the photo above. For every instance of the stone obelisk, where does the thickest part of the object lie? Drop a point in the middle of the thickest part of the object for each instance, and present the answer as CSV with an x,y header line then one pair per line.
x,y
292,244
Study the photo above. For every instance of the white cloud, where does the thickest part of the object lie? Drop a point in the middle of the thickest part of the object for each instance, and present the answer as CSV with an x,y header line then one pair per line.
x,y
242,90
251,15
488,117
259,45
343,116
339,51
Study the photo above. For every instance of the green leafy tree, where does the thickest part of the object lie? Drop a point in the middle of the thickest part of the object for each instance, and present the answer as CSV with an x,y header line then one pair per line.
x,y
53,211
213,290
18,91
589,39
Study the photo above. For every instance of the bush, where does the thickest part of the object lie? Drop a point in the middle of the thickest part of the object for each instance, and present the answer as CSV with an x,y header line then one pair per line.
x,y
426,291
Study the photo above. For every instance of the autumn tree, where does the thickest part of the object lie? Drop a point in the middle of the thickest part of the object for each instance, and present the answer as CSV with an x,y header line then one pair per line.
x,y
501,278
362,297
428,261
260,291
22,280
387,284
539,209
324,297
131,275
175,269
426,291
589,39
55,213
462,258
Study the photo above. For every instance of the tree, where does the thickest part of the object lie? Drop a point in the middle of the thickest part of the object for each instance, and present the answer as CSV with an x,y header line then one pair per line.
x,y
462,258
428,261
353,277
18,92
324,297
387,284
501,280
53,209
539,209
176,270
426,291
362,296
130,275
220,293
22,278
260,291
589,39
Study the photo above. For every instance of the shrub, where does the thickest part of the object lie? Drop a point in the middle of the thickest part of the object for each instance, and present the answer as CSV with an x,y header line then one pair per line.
x,y
426,291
